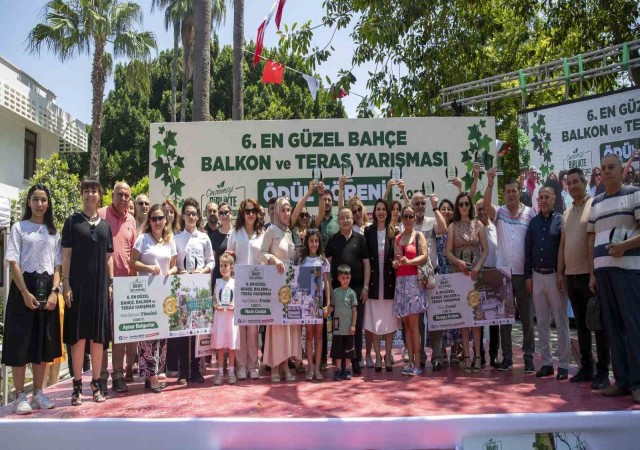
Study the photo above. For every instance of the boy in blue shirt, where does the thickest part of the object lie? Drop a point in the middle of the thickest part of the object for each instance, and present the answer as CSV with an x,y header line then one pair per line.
x,y
343,308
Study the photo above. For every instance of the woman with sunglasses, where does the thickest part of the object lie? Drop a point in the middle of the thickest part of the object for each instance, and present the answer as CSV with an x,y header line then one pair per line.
x,y
360,217
87,270
220,236
467,250
32,325
194,256
410,251
281,341
379,319
245,241
595,184
154,253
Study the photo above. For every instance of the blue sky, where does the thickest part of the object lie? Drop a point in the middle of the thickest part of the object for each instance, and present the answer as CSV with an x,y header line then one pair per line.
x,y
71,81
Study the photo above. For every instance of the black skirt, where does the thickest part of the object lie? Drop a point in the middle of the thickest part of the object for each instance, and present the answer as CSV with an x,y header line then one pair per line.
x,y
30,336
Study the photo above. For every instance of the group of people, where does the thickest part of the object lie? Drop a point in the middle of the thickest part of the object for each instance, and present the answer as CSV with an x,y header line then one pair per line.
x,y
372,282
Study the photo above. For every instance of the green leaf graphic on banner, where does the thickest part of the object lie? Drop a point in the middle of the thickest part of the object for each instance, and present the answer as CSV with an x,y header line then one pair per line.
x,y
168,164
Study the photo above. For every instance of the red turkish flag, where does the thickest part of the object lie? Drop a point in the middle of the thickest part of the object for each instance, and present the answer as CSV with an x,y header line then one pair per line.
x,y
279,12
273,72
259,41
338,92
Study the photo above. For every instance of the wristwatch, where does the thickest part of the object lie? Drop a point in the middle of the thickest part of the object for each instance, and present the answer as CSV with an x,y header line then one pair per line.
x,y
55,290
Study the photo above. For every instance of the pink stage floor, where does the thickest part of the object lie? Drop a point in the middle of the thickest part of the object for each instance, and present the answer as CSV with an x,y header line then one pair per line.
x,y
380,395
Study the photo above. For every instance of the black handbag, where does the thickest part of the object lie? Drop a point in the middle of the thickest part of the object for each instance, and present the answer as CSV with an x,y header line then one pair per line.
x,y
594,313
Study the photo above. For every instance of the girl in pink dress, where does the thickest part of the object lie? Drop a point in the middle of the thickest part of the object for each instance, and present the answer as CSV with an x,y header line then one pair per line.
x,y
225,335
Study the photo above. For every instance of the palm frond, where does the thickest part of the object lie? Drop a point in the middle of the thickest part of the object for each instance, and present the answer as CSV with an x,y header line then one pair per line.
x,y
134,45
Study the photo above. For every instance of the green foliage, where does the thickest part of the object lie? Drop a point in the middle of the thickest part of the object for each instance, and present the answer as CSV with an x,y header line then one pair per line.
x,y
478,151
63,186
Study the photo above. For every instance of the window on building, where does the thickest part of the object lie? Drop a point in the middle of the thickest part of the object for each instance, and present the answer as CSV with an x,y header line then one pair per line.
x,y
30,145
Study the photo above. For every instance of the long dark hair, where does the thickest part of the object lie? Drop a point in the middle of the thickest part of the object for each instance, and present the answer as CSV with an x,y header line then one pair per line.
x,y
189,202
305,249
48,215
259,223
456,209
387,222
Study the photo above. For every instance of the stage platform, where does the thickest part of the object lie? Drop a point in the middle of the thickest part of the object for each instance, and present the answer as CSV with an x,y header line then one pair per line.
x,y
375,410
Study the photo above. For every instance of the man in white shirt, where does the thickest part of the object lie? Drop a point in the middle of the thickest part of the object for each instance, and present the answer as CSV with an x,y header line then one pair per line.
x,y
512,220
430,227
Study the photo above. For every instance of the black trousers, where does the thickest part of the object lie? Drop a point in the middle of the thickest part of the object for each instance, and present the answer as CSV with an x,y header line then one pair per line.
x,y
579,293
494,341
187,362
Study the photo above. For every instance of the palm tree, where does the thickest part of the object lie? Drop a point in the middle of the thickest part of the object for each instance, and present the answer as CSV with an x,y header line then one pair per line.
x,y
202,60
172,17
238,37
75,27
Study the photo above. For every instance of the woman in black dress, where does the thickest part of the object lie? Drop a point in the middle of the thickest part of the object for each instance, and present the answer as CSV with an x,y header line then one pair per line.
x,y
220,237
88,272
32,330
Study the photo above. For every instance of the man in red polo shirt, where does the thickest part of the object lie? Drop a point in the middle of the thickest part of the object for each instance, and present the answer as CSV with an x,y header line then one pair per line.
x,y
123,230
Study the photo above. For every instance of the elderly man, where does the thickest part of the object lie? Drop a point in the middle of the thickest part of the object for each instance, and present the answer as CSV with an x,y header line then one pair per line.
x,y
123,230
512,221
542,243
142,210
347,247
574,263
430,227
614,246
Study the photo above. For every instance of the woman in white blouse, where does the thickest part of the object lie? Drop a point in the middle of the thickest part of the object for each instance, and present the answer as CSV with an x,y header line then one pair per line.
x,y
281,341
245,241
154,253
32,321
195,255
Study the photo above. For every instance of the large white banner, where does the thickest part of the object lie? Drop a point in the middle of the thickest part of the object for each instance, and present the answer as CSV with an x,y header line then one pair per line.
x,y
264,296
159,307
579,133
457,301
229,161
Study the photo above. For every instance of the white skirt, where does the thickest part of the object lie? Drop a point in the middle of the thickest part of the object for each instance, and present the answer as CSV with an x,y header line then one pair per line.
x,y
379,317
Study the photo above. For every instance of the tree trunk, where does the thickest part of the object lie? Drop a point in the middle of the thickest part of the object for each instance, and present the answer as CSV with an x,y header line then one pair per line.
x,y
188,37
238,82
97,83
174,70
202,61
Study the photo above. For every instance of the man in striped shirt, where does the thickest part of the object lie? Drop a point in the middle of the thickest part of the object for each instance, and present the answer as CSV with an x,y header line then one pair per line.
x,y
614,248
512,221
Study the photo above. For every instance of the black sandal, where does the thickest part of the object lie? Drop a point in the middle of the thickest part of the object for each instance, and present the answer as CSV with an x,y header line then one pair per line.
x,y
96,387
76,395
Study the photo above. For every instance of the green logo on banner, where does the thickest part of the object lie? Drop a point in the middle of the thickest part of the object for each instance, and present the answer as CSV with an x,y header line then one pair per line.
x,y
137,326
255,312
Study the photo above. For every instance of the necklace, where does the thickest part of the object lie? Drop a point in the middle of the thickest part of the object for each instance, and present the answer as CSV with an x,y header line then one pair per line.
x,y
156,240
90,219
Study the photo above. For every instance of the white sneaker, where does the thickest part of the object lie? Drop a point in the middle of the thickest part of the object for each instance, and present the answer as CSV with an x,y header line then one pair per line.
x,y
242,373
21,406
217,379
254,374
41,401
232,378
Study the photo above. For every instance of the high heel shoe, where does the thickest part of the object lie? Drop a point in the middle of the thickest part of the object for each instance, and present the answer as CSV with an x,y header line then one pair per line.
x,y
96,388
477,364
378,363
389,361
467,364
155,390
370,362
310,371
76,395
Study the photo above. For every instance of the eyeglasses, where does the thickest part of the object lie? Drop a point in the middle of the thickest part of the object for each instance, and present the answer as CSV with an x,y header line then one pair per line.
x,y
191,214
356,210
94,236
250,211
408,216
143,203
464,204
157,219
420,203
304,215
598,174
224,213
